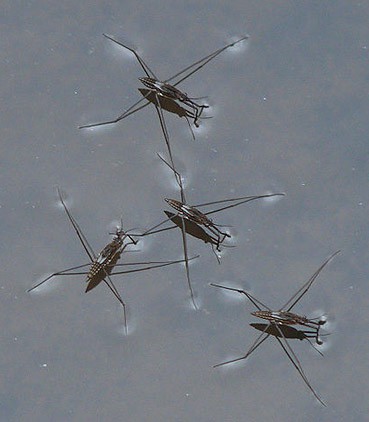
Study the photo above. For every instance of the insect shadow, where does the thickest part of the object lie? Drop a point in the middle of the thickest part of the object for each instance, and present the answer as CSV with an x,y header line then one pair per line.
x,y
289,332
280,323
159,92
101,265
193,229
196,223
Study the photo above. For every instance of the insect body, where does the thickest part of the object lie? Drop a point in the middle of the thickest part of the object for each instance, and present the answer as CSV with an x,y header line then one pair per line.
x,y
196,216
102,265
107,259
193,214
289,318
191,220
169,91
168,88
191,228
280,325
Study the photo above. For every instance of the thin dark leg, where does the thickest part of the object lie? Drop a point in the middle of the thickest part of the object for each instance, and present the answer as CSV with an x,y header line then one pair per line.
x,y
202,62
184,242
300,293
296,363
154,266
258,305
115,292
143,65
86,246
128,112
260,340
63,272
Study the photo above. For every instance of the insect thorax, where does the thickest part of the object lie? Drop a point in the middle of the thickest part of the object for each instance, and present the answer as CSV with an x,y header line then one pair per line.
x,y
105,257
191,213
177,205
164,89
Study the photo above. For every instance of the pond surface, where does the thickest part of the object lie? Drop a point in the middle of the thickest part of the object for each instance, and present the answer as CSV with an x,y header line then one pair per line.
x,y
289,111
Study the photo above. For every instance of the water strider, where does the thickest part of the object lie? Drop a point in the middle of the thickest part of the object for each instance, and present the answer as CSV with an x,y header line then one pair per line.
x,y
158,90
281,324
100,267
193,221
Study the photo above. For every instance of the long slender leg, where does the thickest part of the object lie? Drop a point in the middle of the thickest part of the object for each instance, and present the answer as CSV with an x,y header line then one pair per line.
x,y
189,125
202,62
109,282
308,336
259,340
164,129
214,229
133,108
300,293
195,107
178,178
126,264
86,246
144,66
136,270
216,255
184,242
128,112
152,229
259,305
296,363
183,228
242,200
63,272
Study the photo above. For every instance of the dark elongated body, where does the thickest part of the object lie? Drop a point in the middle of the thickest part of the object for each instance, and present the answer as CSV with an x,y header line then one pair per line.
x,y
191,213
287,318
102,265
280,323
170,91
166,88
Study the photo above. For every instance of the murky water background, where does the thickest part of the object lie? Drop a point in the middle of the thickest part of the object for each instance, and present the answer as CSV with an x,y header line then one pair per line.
x,y
290,114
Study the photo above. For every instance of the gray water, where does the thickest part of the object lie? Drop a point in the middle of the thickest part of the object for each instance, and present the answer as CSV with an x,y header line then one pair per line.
x,y
289,114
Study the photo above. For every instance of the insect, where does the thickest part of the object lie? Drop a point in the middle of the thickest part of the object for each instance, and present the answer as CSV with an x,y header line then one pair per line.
x,y
102,264
159,92
191,220
281,325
